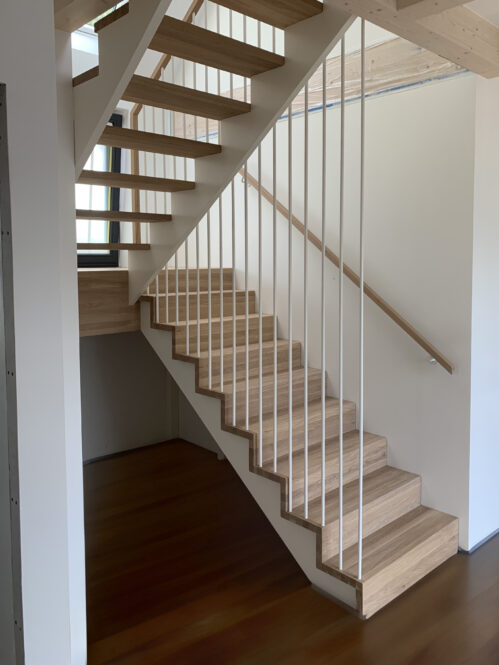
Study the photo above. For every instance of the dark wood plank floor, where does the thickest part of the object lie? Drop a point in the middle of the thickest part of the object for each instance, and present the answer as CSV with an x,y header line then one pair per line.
x,y
183,568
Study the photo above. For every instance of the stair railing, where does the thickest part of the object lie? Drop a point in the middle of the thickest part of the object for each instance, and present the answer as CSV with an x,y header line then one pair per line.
x,y
233,240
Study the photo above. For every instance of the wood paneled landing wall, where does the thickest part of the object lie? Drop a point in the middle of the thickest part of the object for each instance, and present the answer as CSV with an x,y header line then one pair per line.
x,y
103,302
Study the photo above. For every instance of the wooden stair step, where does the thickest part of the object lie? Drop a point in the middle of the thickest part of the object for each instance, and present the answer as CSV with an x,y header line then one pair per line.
x,y
143,90
388,493
113,246
86,76
240,322
132,139
374,458
297,395
127,181
112,17
398,555
279,13
282,347
332,411
190,42
123,216
203,280
203,304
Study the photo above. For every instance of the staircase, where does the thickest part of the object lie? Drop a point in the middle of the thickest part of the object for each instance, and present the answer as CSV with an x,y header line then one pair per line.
x,y
310,462
402,540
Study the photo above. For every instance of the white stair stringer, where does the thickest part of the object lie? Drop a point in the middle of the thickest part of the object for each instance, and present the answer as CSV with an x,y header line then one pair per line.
x,y
306,45
301,542
121,47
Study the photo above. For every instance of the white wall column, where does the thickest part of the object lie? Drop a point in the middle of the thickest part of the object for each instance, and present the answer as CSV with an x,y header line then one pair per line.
x,y
46,324
484,440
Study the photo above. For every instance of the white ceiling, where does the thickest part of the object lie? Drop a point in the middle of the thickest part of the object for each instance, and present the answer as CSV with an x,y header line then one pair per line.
x,y
489,9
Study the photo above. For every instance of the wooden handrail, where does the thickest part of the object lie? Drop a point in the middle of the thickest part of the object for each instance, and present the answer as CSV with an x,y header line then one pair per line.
x,y
137,108
352,275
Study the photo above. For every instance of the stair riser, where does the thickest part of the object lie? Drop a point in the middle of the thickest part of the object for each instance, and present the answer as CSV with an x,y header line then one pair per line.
x,y
203,281
203,306
390,582
376,515
314,391
253,334
267,364
314,433
374,458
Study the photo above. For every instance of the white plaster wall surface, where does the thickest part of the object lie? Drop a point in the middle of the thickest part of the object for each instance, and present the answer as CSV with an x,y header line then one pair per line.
x,y
484,443
43,354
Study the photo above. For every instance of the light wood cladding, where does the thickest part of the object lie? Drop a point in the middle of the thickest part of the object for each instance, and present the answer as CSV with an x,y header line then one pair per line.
x,y
279,13
127,181
103,302
205,47
143,90
162,144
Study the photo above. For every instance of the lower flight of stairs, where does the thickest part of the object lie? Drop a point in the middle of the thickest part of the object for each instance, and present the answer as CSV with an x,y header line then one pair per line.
x,y
402,540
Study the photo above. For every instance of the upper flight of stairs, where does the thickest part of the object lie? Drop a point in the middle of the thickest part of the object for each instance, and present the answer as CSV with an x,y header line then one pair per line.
x,y
402,540
243,124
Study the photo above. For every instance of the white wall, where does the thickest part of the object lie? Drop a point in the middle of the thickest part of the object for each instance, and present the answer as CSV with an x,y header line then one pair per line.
x,y
419,211
128,398
484,444
46,340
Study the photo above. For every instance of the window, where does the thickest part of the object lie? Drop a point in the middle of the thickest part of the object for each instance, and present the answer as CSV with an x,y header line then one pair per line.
x,y
92,197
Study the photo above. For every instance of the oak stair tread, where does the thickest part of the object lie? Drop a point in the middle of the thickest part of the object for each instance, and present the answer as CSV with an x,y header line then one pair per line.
x,y
374,458
113,246
332,410
123,216
143,90
128,181
377,484
393,541
112,17
191,42
279,13
133,139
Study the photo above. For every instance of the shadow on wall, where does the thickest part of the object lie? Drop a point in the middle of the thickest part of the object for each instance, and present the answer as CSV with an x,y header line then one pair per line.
x,y
129,400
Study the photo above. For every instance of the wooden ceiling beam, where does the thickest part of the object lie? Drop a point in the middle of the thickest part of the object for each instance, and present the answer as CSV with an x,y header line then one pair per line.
x,y
420,8
457,34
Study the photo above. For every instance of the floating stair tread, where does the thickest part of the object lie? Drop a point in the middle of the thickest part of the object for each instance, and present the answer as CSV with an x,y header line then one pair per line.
x,y
133,139
122,216
127,181
86,76
143,90
279,13
114,246
377,484
191,42
112,17
394,541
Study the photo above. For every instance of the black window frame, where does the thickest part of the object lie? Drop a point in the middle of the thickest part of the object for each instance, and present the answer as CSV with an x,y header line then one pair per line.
x,y
110,260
